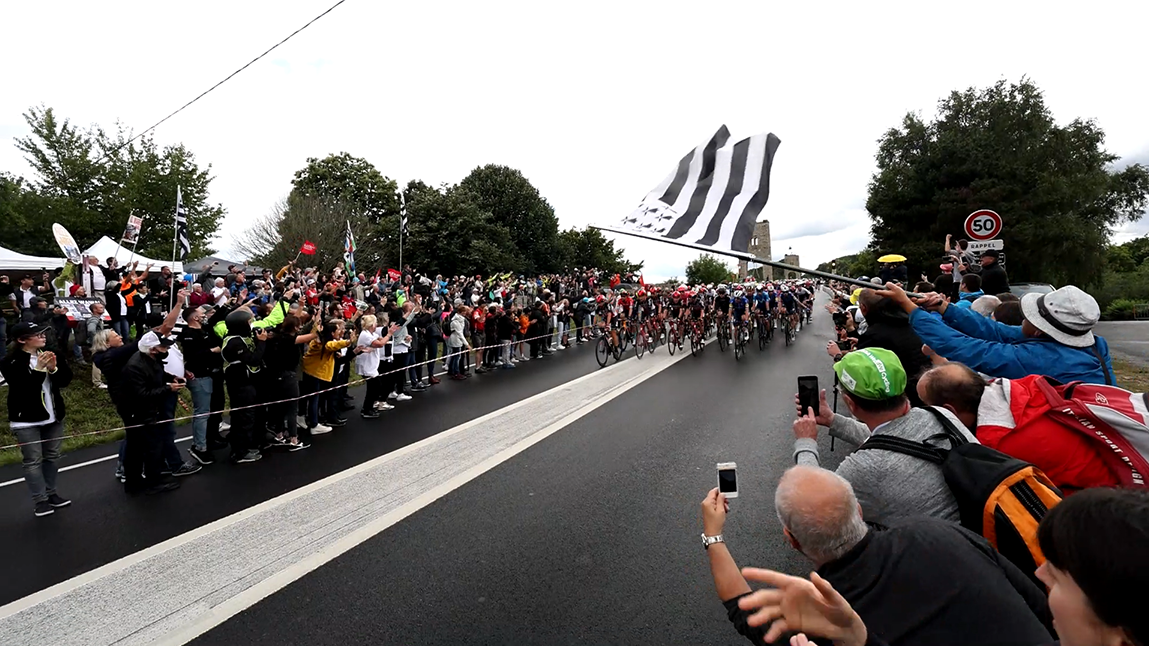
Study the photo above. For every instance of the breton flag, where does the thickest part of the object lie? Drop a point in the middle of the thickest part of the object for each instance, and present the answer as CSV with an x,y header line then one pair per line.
x,y
183,245
403,231
349,251
713,197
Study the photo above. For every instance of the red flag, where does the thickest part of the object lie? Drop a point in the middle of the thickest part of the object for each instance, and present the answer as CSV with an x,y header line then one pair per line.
x,y
308,248
641,280
377,272
393,275
614,281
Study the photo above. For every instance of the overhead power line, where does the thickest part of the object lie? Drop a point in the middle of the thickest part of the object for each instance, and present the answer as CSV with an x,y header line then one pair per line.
x,y
226,79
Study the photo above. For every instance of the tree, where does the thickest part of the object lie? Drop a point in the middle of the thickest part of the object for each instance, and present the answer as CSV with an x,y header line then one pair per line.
x,y
352,181
588,247
707,269
275,239
514,203
90,182
1000,148
452,235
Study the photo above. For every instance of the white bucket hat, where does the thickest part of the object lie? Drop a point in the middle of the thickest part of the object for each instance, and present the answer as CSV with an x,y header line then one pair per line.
x,y
1067,315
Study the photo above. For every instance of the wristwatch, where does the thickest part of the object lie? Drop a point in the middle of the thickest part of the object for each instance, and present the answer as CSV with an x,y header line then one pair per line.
x,y
707,541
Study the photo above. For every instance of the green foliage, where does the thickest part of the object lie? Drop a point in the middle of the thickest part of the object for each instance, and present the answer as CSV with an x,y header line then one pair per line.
x,y
855,265
275,240
588,247
90,182
1000,148
515,204
452,235
353,181
1120,309
707,269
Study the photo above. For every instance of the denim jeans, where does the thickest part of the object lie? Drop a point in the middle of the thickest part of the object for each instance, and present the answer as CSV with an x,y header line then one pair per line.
x,y
41,457
312,385
456,355
201,389
122,327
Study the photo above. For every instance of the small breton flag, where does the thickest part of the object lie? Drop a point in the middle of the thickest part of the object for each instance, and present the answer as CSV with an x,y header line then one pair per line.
x,y
349,251
403,230
713,197
183,245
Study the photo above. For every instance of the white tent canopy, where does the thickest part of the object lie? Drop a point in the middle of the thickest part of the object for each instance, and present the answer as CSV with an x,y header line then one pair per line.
x,y
106,248
11,260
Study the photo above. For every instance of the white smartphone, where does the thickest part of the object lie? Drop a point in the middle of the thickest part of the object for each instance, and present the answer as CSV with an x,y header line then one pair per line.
x,y
728,479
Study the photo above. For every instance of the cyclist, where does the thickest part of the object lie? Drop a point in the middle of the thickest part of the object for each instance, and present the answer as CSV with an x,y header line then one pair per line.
x,y
741,306
789,307
805,298
722,307
762,303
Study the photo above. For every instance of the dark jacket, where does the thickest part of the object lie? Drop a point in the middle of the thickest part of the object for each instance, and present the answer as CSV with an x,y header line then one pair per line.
x,y
891,329
25,387
505,328
145,380
111,363
197,345
928,581
994,280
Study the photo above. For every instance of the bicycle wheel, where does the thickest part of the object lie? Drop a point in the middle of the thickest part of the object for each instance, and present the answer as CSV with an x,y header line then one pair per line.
x,y
640,343
723,341
762,332
623,340
672,339
695,344
739,345
789,331
602,351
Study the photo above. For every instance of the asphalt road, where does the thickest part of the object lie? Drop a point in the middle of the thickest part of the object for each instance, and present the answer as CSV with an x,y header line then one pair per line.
x,y
590,536
104,524
1128,340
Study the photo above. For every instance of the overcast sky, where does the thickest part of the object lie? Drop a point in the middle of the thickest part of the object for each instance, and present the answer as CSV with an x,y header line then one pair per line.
x,y
593,101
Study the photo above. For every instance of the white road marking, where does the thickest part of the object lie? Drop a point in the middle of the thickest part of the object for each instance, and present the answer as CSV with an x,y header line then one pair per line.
x,y
174,591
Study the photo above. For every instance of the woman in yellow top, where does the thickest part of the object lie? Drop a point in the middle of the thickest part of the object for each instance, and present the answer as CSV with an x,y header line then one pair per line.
x,y
318,369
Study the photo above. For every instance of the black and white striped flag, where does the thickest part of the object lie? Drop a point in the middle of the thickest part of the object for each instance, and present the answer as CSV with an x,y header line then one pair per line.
x,y
403,230
183,245
713,197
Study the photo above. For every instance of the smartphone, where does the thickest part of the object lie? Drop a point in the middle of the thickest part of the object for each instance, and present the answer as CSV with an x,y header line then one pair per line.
x,y
808,393
728,479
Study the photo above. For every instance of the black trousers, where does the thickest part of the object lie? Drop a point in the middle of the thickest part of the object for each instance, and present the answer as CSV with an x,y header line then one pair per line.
x,y
243,421
142,455
376,389
399,377
281,416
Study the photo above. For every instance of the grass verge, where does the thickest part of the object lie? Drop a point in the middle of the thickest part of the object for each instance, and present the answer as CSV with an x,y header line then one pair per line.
x,y
1131,376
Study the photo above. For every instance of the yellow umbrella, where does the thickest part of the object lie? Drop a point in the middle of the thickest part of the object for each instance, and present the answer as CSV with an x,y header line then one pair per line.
x,y
892,257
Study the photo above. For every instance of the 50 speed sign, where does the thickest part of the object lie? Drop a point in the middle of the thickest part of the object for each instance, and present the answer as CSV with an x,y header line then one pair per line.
x,y
983,225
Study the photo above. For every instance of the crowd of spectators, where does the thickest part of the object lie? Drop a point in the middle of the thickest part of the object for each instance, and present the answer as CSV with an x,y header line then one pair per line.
x,y
935,376
281,346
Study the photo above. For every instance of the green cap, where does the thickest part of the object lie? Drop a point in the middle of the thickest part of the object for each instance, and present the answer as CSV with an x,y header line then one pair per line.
x,y
873,373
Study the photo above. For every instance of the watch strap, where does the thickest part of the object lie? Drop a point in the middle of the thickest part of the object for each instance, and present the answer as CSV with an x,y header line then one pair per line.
x,y
707,541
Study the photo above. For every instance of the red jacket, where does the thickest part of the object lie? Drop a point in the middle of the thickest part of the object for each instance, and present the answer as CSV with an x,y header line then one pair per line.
x,y
1012,419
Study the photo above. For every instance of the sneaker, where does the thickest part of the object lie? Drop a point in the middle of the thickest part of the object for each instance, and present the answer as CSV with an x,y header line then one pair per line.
x,y
186,469
392,395
403,397
508,365
224,426
102,386
335,423
300,421
57,501
291,448
524,358
320,429
418,388
44,509
251,456
203,457
369,414
120,474
514,360
386,406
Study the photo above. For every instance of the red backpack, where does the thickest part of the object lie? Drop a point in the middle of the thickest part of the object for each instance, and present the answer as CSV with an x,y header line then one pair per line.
x,y
1116,418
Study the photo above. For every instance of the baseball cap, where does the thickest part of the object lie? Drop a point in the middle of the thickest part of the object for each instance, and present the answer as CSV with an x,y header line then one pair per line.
x,y
872,373
153,340
994,253
25,330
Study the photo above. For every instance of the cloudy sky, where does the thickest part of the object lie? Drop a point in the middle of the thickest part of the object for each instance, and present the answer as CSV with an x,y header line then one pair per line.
x,y
593,101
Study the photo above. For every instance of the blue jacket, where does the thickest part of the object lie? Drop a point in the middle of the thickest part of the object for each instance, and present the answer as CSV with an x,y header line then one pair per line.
x,y
967,298
1000,350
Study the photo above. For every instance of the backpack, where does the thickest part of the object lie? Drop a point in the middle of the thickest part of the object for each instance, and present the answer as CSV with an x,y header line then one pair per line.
x,y
999,497
1112,416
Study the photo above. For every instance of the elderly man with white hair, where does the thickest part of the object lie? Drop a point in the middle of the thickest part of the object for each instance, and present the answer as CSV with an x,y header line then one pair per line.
x,y
220,293
924,581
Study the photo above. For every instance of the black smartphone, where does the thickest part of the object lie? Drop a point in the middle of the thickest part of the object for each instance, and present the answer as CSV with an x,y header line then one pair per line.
x,y
808,394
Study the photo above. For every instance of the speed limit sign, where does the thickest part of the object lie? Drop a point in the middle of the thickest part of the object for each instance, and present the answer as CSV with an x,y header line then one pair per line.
x,y
983,225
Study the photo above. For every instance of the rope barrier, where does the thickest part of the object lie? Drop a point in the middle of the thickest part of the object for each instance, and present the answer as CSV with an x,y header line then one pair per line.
x,y
316,393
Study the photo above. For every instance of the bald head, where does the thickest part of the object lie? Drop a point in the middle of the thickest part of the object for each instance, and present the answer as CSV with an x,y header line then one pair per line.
x,y
956,387
819,512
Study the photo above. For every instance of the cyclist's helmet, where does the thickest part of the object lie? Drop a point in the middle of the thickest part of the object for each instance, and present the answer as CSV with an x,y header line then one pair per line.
x,y
599,299
785,288
738,293
622,292
641,293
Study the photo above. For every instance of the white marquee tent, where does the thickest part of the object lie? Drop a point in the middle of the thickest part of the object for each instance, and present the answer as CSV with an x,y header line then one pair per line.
x,y
106,248
17,261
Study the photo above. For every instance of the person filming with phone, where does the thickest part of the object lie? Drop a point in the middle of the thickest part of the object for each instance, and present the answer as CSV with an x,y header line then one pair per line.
x,y
888,485
143,412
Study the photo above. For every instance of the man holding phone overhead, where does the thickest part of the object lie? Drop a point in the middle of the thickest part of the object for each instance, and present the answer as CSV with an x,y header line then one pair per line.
x,y
888,485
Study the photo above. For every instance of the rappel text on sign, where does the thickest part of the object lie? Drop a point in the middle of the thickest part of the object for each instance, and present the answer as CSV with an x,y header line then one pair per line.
x,y
981,245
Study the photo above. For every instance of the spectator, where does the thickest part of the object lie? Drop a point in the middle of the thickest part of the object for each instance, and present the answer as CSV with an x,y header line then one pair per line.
x,y
993,276
1010,416
505,330
220,293
22,296
1054,339
1089,597
369,349
985,305
282,363
888,327
198,297
202,350
92,325
918,582
457,341
318,371
969,290
143,413
36,411
401,346
1008,313
242,355
889,485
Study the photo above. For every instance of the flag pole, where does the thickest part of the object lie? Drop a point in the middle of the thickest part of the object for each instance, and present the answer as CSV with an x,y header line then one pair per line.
x,y
175,245
744,256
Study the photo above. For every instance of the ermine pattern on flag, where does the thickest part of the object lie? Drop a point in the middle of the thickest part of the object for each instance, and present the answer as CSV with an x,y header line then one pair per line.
x,y
183,245
403,215
714,196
